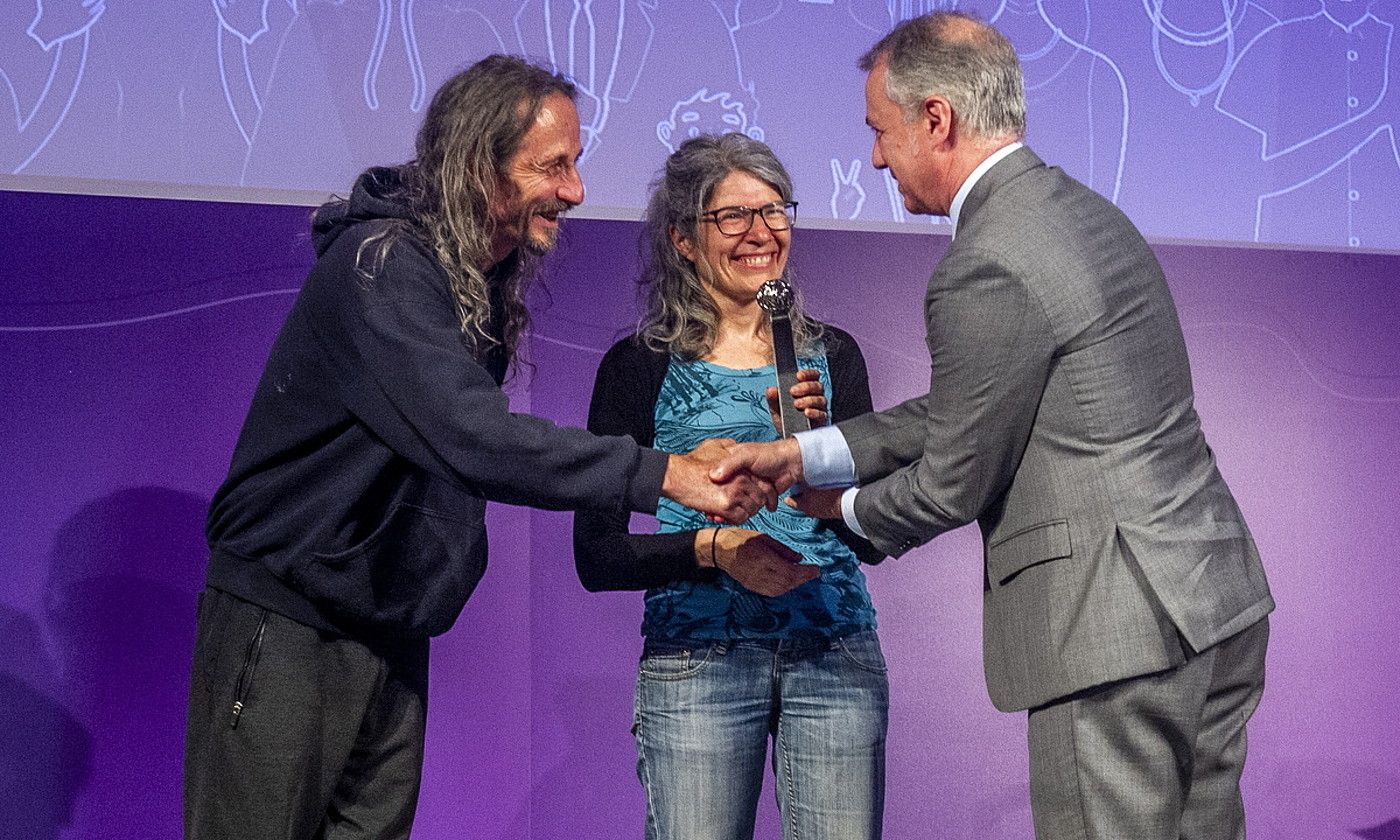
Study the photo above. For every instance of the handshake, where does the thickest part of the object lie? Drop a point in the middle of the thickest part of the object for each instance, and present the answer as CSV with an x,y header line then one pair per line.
x,y
730,481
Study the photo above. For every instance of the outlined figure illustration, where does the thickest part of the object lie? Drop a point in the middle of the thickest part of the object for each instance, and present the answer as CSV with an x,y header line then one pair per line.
x,y
1081,86
705,113
248,47
408,46
396,15
1195,44
738,14
1336,161
43,54
601,46
357,75
396,38
847,195
1361,191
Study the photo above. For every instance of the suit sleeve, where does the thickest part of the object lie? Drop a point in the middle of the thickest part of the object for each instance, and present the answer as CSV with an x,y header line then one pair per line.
x,y
991,348
893,437
606,555
405,374
886,440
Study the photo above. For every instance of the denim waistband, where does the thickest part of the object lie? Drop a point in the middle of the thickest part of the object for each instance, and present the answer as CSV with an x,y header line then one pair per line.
x,y
798,641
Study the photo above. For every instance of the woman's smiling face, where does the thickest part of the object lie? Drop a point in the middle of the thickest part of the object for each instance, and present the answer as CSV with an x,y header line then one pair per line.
x,y
735,266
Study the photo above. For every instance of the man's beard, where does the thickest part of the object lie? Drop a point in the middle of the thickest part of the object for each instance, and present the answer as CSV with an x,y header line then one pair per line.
x,y
542,243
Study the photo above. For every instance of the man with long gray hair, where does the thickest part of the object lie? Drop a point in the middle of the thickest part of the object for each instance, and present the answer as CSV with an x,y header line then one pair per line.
x,y
351,528
1124,603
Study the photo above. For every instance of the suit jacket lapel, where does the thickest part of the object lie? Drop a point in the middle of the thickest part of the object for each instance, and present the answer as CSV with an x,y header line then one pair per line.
x,y
1005,169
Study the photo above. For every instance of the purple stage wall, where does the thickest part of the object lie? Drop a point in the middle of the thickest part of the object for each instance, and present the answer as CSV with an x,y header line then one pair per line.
x,y
132,332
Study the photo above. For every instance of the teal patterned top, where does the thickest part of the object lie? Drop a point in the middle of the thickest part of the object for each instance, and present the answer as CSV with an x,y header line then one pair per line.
x,y
698,401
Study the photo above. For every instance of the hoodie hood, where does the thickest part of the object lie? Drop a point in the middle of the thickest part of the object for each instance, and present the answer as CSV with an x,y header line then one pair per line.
x,y
378,194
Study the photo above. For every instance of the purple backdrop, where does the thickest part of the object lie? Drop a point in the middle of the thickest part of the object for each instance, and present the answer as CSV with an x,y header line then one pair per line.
x,y
1184,113
132,332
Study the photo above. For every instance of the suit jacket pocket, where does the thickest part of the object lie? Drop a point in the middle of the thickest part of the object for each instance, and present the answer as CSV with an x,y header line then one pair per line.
x,y
1008,556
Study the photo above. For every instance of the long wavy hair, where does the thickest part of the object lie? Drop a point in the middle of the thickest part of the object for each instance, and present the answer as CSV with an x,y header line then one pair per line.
x,y
679,316
472,129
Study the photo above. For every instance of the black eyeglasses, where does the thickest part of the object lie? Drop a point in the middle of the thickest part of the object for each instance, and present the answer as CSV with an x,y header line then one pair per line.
x,y
737,220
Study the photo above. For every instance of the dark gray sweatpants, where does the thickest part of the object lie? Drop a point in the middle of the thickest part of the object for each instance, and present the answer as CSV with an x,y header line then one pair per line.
x,y
297,734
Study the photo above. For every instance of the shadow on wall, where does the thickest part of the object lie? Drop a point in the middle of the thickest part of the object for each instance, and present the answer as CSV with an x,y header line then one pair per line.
x,y
124,573
598,768
47,752
1326,799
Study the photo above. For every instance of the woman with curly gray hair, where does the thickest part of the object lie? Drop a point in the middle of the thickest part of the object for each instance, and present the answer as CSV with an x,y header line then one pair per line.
x,y
730,660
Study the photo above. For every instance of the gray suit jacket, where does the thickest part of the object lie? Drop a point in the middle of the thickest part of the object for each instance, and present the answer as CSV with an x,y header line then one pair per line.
x,y
1059,417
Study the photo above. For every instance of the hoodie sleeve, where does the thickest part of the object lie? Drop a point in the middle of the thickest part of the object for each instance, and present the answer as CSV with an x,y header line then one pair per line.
x,y
403,371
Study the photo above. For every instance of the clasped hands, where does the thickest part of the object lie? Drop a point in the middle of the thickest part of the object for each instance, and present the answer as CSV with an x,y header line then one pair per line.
x,y
730,481
774,467
749,476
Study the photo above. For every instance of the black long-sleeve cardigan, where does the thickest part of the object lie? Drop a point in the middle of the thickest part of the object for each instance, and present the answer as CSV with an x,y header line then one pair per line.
x,y
609,557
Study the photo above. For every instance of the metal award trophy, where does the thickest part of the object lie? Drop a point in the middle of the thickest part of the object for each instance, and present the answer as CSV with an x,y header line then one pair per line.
x,y
775,297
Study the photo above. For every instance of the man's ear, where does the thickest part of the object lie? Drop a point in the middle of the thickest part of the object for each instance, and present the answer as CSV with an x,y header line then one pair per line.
x,y
683,245
937,118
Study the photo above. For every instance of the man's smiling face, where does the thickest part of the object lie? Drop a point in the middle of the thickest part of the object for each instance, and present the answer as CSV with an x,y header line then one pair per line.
x,y
541,181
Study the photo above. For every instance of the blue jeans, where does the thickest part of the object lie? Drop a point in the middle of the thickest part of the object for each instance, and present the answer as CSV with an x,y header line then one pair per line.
x,y
705,711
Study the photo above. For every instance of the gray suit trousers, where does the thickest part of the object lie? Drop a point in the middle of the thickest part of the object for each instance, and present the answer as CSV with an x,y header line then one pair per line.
x,y
1156,757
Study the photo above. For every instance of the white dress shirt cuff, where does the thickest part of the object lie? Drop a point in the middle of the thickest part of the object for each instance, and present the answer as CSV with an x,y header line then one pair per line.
x,y
826,459
848,511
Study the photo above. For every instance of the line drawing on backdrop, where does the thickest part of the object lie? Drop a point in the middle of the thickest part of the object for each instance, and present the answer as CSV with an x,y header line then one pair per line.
x,y
705,113
734,17
1083,87
724,109
1338,158
412,54
880,16
246,68
1240,21
41,84
394,53
602,48
847,195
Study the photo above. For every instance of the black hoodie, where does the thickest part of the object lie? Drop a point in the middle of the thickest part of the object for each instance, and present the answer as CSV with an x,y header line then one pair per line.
x,y
355,502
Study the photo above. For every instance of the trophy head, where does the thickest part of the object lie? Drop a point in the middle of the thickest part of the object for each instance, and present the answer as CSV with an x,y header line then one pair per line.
x,y
775,296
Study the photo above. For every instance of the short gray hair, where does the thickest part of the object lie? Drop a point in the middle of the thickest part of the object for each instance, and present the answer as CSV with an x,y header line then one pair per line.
x,y
961,58
678,314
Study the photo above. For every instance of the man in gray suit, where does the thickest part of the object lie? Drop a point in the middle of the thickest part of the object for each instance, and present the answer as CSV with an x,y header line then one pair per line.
x,y
1124,600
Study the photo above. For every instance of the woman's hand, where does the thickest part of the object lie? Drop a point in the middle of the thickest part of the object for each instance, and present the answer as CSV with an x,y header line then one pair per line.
x,y
808,397
756,560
